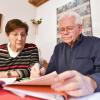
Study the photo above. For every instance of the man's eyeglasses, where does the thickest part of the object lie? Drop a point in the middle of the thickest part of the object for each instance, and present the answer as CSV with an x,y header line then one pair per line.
x,y
68,28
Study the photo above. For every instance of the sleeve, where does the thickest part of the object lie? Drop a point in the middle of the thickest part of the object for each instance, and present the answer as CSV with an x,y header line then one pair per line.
x,y
34,56
52,66
22,73
96,75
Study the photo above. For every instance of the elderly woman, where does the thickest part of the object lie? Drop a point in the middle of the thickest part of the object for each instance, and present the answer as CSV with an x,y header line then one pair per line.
x,y
17,57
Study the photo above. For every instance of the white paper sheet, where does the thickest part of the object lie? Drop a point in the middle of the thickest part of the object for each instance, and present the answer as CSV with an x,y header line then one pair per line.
x,y
94,96
8,80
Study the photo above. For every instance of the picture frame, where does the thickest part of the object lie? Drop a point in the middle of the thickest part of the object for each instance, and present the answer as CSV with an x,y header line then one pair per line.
x,y
0,21
83,8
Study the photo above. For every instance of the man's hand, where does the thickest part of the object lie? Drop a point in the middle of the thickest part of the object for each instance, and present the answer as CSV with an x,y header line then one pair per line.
x,y
42,71
74,84
35,71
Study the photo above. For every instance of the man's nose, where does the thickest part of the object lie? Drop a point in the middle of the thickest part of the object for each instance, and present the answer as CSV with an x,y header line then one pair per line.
x,y
65,32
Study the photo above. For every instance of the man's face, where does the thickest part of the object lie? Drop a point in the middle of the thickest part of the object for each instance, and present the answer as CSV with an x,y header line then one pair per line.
x,y
17,39
69,30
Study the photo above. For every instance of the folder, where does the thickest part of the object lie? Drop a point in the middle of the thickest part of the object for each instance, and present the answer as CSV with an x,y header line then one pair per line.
x,y
5,95
43,92
37,87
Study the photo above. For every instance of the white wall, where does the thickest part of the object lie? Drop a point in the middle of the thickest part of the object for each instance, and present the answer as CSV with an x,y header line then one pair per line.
x,y
47,30
20,9
95,12
46,38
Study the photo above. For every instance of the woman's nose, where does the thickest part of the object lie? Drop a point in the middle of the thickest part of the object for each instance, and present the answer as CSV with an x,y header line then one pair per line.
x,y
19,37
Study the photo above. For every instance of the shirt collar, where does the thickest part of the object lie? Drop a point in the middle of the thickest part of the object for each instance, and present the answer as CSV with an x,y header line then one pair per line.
x,y
77,41
11,52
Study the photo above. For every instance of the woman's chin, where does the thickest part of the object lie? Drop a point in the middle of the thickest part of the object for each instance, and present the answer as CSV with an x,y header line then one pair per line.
x,y
19,48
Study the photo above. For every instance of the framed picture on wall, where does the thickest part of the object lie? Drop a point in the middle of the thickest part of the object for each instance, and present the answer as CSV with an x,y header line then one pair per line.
x,y
83,8
0,21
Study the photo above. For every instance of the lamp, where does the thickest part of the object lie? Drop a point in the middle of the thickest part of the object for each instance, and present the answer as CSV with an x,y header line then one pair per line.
x,y
36,23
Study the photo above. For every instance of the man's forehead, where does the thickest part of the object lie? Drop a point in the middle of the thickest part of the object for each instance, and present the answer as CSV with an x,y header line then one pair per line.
x,y
67,22
67,18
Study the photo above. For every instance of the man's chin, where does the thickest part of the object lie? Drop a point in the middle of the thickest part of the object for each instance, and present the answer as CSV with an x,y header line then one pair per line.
x,y
68,42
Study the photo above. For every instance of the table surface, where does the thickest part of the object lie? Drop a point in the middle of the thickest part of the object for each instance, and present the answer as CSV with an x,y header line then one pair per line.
x,y
4,95
94,96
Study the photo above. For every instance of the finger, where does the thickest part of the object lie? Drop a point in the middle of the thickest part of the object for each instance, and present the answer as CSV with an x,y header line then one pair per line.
x,y
56,85
34,75
72,86
37,65
35,69
35,72
42,71
76,93
66,75
67,87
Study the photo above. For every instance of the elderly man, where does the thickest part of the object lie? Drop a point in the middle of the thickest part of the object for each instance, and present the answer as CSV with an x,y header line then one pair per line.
x,y
77,59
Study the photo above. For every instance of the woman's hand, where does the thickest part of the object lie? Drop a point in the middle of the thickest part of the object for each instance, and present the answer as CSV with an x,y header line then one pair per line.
x,y
35,71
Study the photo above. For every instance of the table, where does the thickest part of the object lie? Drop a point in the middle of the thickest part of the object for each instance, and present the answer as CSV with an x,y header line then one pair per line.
x,y
94,96
6,95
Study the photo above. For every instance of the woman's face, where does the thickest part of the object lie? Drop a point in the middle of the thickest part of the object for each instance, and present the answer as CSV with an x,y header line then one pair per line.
x,y
17,39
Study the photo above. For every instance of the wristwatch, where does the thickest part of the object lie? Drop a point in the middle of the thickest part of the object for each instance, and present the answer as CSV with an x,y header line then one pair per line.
x,y
8,74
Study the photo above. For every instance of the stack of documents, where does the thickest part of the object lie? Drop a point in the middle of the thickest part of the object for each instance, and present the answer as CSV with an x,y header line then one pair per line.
x,y
37,87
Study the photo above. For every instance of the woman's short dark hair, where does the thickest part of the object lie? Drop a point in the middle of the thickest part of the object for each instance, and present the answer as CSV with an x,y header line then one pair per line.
x,y
14,24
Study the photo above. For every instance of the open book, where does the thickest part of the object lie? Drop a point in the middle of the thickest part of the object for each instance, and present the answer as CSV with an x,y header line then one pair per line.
x,y
37,87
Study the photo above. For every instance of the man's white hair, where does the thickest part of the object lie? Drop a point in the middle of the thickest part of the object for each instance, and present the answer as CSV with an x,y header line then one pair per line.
x,y
72,14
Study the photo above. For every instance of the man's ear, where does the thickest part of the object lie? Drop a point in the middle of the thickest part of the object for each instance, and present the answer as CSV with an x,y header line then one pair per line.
x,y
80,27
